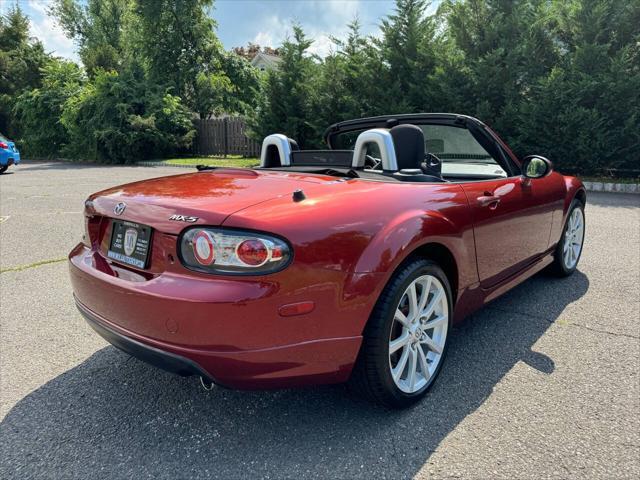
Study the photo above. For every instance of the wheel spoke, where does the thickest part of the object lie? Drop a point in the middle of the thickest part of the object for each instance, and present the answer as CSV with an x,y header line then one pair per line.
x,y
576,250
424,295
413,301
399,342
400,317
424,365
413,368
570,264
435,322
402,363
433,346
433,303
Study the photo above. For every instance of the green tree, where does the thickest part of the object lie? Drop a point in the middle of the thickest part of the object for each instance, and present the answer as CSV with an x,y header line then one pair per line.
x,y
102,29
120,118
407,50
585,115
211,92
286,100
507,47
348,84
38,111
178,42
245,83
21,61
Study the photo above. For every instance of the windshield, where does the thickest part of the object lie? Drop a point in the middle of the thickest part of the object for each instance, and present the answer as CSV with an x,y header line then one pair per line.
x,y
3,138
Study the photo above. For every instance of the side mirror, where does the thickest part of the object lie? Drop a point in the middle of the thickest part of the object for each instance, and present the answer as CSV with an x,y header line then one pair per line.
x,y
535,166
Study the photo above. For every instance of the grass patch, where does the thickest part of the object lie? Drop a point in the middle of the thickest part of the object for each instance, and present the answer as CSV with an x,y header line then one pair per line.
x,y
20,268
230,161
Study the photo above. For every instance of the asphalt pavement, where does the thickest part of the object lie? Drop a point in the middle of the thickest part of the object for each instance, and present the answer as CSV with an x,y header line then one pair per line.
x,y
542,383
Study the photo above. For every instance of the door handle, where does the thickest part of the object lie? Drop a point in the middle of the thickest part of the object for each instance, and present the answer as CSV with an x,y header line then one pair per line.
x,y
490,201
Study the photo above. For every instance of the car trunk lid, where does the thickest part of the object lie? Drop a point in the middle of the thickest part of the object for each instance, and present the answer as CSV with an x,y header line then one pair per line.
x,y
168,204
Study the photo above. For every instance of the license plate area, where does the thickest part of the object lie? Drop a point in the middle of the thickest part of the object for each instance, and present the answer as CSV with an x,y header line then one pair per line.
x,y
130,243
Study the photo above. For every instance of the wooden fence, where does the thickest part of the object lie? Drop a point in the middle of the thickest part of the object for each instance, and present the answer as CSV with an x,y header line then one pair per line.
x,y
224,136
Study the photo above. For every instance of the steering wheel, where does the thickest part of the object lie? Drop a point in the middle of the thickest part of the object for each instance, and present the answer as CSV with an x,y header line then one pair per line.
x,y
371,162
432,165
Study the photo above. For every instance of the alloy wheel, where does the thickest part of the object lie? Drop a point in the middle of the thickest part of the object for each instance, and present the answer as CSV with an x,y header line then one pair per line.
x,y
573,237
418,333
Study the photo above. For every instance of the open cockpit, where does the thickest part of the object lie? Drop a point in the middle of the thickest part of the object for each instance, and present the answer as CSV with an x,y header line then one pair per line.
x,y
431,148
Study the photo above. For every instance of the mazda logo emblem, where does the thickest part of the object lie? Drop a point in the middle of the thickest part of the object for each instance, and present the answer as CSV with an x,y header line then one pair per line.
x,y
119,208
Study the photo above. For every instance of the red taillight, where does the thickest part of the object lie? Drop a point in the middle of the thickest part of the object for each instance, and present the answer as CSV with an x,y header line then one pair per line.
x,y
4,145
253,252
231,251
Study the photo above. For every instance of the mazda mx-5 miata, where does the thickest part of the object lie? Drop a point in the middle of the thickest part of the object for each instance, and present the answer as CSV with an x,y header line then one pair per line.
x,y
323,266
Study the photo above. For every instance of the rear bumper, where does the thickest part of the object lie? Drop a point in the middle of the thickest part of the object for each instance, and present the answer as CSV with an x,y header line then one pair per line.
x,y
225,330
154,356
9,158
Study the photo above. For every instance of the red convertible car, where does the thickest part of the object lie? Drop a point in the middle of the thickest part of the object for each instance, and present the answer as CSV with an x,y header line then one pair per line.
x,y
321,266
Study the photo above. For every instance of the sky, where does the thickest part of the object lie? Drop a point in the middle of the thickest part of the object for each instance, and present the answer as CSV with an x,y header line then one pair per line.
x,y
266,22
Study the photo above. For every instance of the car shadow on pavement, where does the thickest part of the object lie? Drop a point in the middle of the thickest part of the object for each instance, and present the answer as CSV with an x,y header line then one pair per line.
x,y
113,416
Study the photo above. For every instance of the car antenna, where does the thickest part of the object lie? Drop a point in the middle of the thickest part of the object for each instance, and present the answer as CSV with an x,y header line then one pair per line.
x,y
200,168
298,195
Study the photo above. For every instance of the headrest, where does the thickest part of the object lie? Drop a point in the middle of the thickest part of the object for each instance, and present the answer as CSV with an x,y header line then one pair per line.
x,y
408,141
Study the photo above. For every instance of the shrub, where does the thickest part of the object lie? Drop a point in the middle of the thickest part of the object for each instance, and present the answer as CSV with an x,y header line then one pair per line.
x,y
38,111
120,118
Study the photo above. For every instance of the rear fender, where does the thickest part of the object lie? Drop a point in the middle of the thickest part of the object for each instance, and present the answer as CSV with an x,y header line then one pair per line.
x,y
413,229
575,188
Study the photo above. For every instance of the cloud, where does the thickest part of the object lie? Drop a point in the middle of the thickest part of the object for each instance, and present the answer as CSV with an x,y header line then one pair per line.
x,y
322,45
321,20
273,31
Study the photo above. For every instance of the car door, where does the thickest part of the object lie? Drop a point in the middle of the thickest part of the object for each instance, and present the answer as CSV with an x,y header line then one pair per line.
x,y
512,219
512,215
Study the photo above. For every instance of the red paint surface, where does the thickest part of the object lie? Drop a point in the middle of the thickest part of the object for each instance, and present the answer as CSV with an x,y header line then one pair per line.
x,y
348,237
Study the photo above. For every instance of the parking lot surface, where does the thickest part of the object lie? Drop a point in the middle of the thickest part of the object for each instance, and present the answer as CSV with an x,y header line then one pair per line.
x,y
542,383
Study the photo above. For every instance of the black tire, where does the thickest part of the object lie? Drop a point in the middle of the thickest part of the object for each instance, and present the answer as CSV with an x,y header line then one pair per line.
x,y
372,376
3,169
558,267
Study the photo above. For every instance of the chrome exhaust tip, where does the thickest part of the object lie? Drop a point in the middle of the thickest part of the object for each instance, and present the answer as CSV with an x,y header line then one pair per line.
x,y
206,384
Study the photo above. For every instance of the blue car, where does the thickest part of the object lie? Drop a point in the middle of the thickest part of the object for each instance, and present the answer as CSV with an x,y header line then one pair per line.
x,y
9,154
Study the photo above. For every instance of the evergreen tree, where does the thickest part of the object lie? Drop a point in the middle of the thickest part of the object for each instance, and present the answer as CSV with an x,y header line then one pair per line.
x,y
585,115
21,61
286,100
407,52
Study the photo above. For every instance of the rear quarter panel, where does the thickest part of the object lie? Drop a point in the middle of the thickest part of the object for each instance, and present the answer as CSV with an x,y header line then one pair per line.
x,y
571,188
368,229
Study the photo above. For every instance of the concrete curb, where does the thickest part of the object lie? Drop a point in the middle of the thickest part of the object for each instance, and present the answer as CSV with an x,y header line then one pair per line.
x,y
612,187
162,164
